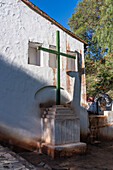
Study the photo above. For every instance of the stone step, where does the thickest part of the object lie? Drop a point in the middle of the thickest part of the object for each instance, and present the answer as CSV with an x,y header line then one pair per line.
x,y
59,108
61,117
67,112
64,150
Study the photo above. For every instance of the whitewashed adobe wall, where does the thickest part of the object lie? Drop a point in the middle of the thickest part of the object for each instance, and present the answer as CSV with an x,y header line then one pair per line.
x,y
19,81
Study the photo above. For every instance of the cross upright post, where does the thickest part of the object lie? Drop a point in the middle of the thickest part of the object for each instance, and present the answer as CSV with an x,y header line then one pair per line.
x,y
58,68
58,53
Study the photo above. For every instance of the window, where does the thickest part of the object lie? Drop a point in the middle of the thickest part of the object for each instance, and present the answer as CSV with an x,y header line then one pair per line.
x,y
34,54
52,57
71,61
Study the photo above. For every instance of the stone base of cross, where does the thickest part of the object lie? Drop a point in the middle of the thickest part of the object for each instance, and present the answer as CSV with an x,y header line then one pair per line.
x,y
58,53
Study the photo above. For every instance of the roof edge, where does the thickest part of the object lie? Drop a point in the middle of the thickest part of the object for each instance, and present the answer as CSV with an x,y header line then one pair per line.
x,y
39,11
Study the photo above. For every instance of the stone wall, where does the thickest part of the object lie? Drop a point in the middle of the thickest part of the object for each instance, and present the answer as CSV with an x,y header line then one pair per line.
x,y
101,126
25,87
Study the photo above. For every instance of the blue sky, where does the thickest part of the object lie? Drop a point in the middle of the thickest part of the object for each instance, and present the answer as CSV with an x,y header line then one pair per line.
x,y
60,10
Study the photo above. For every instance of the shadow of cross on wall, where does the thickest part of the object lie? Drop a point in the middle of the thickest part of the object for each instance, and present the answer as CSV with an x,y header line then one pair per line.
x,y
79,95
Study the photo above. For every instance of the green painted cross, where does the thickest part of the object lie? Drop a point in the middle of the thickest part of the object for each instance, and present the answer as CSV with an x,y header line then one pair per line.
x,y
58,53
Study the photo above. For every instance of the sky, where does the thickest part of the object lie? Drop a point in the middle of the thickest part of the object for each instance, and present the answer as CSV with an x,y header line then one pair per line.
x,y
60,10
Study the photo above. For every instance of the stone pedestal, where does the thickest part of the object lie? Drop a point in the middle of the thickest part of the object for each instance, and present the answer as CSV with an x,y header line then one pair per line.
x,y
61,132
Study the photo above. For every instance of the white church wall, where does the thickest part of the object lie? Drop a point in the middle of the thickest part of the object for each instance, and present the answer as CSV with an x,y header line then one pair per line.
x,y
20,81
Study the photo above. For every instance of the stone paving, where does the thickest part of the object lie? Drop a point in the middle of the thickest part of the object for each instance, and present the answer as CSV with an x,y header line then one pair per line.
x,y
12,161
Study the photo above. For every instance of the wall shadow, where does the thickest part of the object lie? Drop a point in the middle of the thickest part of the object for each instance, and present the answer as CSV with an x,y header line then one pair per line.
x,y
19,112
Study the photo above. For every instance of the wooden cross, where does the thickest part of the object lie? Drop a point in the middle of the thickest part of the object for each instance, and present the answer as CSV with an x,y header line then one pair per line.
x,y
58,53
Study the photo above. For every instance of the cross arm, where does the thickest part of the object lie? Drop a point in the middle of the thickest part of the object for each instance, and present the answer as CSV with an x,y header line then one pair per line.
x,y
55,52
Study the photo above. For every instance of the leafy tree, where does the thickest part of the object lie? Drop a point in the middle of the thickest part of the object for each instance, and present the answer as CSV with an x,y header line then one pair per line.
x,y
83,22
104,30
99,76
92,20
104,74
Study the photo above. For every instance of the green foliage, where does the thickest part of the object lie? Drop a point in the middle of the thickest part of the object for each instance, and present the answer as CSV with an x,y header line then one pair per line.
x,y
104,74
100,76
91,67
92,20
104,30
83,22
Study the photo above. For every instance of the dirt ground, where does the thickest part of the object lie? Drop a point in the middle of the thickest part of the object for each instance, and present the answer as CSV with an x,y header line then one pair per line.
x,y
98,156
